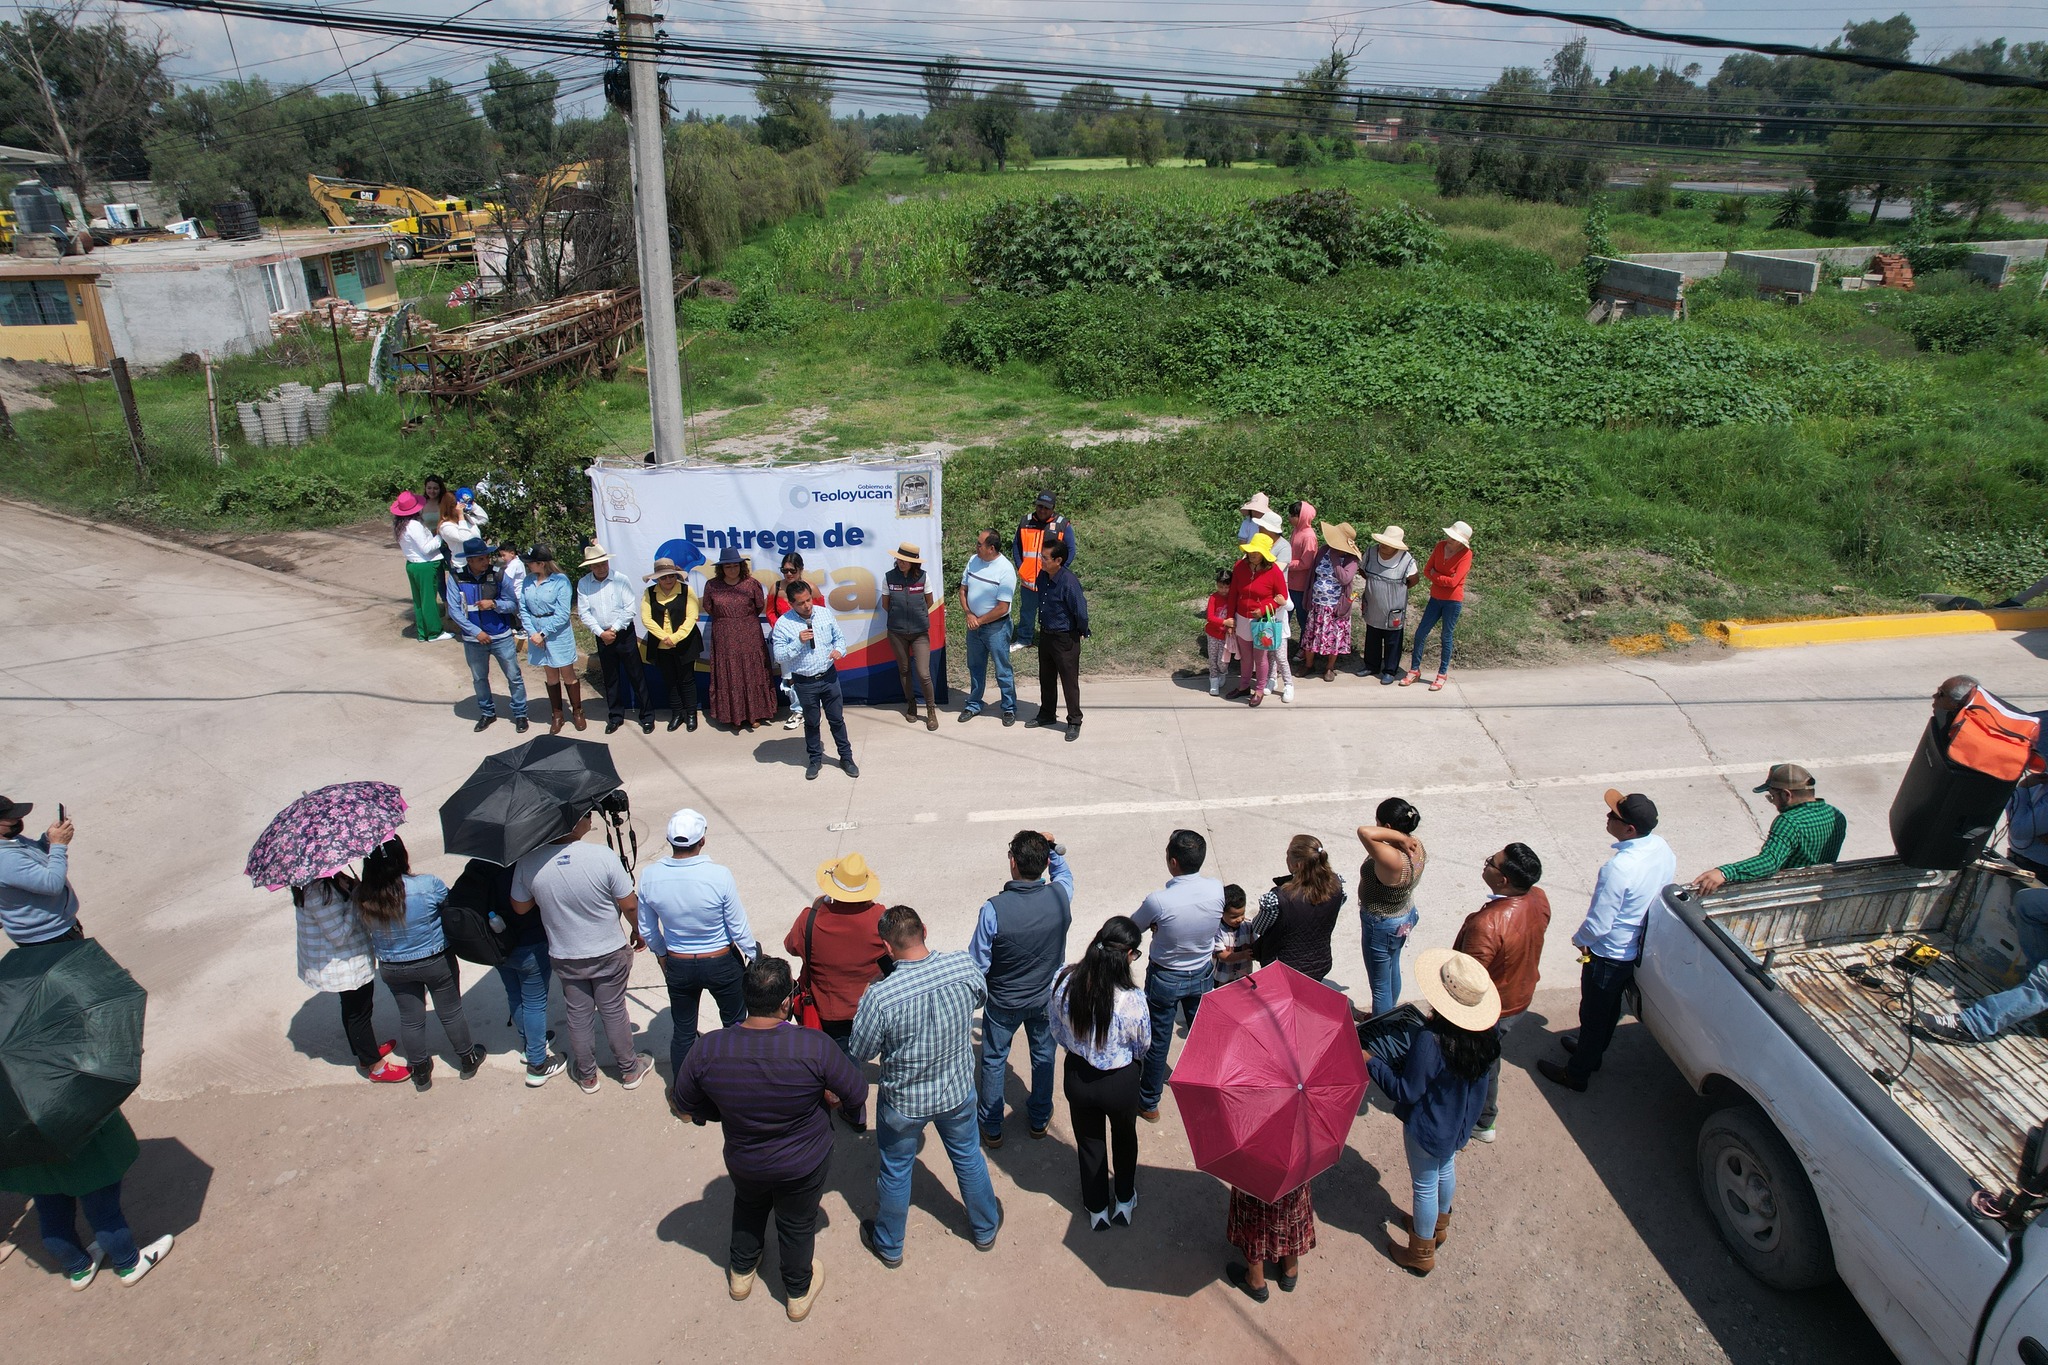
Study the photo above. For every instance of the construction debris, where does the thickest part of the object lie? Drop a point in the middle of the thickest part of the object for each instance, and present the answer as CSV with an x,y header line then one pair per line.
x,y
360,323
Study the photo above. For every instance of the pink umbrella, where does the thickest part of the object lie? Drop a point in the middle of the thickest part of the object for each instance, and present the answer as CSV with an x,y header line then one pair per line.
x,y
1269,1081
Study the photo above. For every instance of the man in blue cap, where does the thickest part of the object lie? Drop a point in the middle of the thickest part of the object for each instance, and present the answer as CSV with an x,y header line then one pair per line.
x,y
481,606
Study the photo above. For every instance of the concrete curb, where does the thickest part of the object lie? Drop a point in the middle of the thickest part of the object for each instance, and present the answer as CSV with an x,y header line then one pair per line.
x,y
1832,630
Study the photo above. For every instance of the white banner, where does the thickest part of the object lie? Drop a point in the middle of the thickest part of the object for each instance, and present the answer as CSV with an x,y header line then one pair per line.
x,y
845,520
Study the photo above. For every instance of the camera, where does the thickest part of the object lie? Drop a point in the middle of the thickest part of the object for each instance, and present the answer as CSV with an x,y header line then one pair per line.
x,y
615,803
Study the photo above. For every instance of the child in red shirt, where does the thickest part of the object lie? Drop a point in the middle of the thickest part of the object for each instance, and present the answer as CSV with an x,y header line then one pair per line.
x,y
1216,628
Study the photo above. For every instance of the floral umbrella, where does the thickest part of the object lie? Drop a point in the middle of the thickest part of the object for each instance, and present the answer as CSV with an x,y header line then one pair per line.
x,y
324,831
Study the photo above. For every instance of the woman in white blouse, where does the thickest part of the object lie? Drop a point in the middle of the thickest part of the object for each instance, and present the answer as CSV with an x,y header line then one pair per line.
x,y
335,956
1100,1017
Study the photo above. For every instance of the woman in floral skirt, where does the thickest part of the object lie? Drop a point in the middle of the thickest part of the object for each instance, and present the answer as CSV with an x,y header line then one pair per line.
x,y
1328,632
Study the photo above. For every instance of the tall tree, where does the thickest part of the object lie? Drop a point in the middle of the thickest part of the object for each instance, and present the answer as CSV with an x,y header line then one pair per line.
x,y
796,103
942,87
78,83
520,107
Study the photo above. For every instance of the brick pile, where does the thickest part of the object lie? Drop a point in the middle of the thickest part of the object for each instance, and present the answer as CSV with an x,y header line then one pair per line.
x,y
359,323
1892,270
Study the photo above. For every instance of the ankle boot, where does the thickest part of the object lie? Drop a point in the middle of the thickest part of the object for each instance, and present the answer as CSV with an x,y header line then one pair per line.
x,y
931,716
1418,1257
576,704
555,715
1406,1223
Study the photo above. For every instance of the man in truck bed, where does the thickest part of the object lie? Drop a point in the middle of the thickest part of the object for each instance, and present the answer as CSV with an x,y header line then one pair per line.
x,y
1994,1014
1807,832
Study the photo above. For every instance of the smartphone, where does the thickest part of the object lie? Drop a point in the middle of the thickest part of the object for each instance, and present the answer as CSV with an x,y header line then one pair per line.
x,y
60,812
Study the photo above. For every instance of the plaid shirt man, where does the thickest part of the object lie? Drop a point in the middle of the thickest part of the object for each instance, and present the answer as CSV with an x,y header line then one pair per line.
x,y
1802,836
920,1018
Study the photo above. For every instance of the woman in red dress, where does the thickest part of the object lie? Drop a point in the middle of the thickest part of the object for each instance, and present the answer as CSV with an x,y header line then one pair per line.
x,y
742,693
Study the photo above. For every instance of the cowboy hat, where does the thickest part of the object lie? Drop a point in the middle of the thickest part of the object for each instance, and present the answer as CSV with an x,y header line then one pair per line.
x,y
477,548
731,555
595,554
1269,522
849,879
662,568
407,504
1394,538
1257,507
1458,988
908,553
1260,544
1460,532
1339,536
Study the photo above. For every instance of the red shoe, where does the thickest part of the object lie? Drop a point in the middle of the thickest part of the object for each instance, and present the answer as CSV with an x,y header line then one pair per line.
x,y
387,1047
390,1073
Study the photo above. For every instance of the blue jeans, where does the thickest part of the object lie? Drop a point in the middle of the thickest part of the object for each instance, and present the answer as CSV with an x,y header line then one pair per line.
x,y
1435,1181
505,651
1996,1013
688,978
1384,939
998,1027
1437,610
896,1135
58,1214
525,974
1027,615
986,642
1167,992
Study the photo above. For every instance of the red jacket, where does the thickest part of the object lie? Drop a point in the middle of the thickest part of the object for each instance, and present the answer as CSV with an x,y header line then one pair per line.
x,y
1448,564
1506,935
1254,592
849,952
1218,625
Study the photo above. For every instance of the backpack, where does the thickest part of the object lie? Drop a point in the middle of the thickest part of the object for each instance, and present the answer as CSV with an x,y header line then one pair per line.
x,y
482,889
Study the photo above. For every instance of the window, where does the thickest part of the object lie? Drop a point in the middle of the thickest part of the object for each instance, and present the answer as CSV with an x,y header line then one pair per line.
x,y
35,303
342,263
273,287
370,268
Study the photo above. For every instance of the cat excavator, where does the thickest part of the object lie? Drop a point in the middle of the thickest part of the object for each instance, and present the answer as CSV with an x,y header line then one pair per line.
x,y
420,224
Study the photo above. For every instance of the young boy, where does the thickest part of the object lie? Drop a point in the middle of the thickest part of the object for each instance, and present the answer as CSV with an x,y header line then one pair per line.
x,y
1233,939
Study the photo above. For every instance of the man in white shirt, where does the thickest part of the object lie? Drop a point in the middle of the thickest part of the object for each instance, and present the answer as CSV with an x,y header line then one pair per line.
x,y
1610,941
808,645
608,609
987,586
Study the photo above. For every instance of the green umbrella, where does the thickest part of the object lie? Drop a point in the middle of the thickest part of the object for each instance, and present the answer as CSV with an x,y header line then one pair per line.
x,y
70,1047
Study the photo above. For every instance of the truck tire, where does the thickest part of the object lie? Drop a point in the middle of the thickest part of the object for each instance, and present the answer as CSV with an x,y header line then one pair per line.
x,y
1762,1200
401,251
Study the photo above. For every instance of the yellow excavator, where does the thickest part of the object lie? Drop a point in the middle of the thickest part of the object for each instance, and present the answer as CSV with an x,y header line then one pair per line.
x,y
420,224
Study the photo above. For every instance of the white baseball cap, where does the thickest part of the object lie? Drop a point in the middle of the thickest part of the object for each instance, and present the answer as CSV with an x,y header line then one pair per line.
x,y
687,827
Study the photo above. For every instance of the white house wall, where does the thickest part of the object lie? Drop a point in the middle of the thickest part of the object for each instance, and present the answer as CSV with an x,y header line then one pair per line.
x,y
155,316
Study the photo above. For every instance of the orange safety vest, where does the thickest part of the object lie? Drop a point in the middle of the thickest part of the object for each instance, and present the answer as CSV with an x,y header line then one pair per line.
x,y
1993,737
1030,539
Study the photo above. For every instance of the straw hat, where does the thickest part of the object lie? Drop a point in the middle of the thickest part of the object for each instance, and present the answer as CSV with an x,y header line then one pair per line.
x,y
1458,988
1340,536
1460,532
1257,507
849,879
908,554
1260,544
596,554
1394,538
662,568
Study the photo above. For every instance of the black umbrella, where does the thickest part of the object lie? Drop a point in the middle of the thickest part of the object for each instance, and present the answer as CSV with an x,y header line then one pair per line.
x,y
523,798
70,1047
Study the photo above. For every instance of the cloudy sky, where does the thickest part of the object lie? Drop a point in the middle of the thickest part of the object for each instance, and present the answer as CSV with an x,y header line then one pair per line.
x,y
1415,42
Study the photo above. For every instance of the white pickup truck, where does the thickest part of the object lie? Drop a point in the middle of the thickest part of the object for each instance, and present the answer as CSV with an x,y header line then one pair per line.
x,y
1833,1152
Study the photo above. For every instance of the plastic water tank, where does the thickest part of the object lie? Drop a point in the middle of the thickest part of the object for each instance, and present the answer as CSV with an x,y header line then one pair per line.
x,y
38,209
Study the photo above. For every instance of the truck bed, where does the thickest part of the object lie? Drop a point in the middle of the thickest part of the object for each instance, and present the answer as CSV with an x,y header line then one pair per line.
x,y
1804,930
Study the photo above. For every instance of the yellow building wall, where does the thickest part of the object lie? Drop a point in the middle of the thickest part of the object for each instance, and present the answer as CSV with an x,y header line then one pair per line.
x,y
82,342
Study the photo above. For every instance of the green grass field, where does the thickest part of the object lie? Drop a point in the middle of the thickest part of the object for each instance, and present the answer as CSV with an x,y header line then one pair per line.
x,y
1612,492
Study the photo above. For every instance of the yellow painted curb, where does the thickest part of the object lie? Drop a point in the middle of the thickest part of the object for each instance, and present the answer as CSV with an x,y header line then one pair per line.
x,y
1832,630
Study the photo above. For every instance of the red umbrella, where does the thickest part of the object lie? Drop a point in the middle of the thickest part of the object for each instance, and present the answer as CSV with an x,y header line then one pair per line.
x,y
1269,1081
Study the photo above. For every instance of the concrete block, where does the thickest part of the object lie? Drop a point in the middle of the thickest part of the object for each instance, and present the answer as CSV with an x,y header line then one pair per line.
x,y
1649,289
1776,274
1694,265
1989,267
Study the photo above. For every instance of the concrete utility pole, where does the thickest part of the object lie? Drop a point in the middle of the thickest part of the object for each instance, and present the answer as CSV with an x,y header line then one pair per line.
x,y
650,216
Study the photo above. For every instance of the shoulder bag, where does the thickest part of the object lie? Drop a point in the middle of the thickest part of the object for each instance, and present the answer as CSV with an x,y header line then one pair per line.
x,y
805,1013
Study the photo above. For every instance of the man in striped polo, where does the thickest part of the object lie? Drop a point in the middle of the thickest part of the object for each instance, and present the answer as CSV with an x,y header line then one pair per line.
x,y
1807,832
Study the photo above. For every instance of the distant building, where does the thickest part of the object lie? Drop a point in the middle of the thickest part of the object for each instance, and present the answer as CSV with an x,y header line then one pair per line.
x,y
1382,130
151,302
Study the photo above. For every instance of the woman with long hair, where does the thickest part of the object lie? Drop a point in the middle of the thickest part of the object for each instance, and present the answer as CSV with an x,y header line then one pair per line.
x,y
422,551
1099,1015
546,609
742,693
1438,1090
335,955
1296,918
1394,860
401,913
668,611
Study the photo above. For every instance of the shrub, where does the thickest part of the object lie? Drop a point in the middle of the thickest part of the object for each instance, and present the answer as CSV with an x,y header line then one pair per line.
x,y
1653,196
1402,235
283,496
1971,318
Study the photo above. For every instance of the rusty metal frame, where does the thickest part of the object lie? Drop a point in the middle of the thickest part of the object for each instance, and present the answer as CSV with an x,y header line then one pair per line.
x,y
582,332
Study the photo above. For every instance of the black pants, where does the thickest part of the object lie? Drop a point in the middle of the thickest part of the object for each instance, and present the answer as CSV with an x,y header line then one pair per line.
x,y
1602,982
1095,1100
840,1031
688,978
678,668
620,661
411,982
1059,661
357,1008
1382,652
795,1205
822,701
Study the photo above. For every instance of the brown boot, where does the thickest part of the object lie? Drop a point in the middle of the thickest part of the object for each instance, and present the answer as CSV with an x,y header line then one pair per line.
x,y
931,716
576,704
1406,1223
555,714
1417,1258
910,711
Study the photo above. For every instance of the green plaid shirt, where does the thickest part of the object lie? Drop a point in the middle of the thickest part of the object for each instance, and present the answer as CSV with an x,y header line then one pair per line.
x,y
1801,836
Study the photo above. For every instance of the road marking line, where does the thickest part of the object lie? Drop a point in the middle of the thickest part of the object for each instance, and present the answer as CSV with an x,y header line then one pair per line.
x,y
1272,799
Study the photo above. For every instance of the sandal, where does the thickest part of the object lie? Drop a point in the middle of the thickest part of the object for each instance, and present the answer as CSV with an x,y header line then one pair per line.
x,y
1438,684
1411,677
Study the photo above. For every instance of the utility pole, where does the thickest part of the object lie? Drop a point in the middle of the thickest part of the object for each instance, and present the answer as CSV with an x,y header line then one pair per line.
x,y
650,216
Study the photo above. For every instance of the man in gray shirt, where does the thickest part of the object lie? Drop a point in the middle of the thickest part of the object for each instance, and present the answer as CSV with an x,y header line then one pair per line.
x,y
582,892
1182,918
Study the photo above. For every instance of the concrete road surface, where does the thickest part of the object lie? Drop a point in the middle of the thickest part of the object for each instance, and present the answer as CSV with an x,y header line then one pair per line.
x,y
174,699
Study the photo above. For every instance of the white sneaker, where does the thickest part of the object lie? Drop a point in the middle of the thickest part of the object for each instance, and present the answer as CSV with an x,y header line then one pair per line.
x,y
1215,687
1123,1210
1287,692
151,1254
444,635
795,721
1014,647
85,1277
